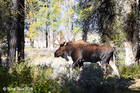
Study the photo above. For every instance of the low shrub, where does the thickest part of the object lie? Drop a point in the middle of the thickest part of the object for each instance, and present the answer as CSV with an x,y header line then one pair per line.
x,y
86,81
130,72
24,78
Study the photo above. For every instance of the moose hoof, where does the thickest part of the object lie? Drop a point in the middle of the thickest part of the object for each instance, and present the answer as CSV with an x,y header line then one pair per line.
x,y
81,68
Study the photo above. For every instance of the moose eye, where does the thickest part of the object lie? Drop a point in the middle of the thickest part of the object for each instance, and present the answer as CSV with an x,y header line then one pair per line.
x,y
61,45
60,48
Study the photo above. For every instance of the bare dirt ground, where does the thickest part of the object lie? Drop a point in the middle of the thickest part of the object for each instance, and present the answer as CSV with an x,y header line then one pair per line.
x,y
37,55
40,56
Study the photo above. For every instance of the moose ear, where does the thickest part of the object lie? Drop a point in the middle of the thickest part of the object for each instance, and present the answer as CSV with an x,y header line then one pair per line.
x,y
65,43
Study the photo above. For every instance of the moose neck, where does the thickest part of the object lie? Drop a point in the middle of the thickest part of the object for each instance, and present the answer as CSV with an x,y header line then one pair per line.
x,y
69,49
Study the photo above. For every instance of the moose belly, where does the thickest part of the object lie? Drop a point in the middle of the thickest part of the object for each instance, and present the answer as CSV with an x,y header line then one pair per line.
x,y
93,59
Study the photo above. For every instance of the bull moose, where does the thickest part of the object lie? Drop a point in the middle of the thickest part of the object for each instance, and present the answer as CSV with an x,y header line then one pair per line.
x,y
81,51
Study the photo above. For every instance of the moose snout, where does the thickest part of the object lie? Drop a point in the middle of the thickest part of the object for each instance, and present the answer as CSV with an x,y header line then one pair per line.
x,y
56,55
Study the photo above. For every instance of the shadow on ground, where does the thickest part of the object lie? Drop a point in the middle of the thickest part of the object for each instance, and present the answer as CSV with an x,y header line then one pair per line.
x,y
91,80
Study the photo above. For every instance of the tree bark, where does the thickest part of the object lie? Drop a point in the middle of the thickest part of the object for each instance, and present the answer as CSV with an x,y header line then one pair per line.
x,y
0,58
12,33
21,38
85,29
129,55
132,32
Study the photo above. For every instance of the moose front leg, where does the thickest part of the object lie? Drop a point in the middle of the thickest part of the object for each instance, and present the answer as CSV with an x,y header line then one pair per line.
x,y
76,57
81,66
74,65
103,67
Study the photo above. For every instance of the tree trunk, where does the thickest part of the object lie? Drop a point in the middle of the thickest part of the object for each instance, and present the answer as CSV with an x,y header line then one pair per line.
x,y
32,43
47,30
50,38
67,30
70,21
12,43
46,39
0,58
85,29
129,55
132,32
21,39
12,33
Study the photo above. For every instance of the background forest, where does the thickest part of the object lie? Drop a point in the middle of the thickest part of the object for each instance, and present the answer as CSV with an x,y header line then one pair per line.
x,y
28,28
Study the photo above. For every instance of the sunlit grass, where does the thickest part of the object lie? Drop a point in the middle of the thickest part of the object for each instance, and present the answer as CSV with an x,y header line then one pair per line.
x,y
130,72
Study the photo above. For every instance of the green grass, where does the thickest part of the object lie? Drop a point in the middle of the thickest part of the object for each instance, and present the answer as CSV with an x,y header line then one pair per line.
x,y
130,72
30,79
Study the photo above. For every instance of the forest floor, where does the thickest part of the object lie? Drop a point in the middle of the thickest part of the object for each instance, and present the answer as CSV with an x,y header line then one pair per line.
x,y
41,56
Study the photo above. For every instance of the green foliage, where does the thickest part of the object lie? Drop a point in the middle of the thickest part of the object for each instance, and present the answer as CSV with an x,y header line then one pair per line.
x,y
37,79
43,13
4,77
112,28
86,9
86,12
4,14
24,78
130,72
131,25
76,29
45,85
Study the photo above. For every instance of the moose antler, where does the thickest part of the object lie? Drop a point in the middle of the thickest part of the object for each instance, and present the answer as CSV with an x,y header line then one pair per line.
x,y
62,38
72,36
54,43
59,41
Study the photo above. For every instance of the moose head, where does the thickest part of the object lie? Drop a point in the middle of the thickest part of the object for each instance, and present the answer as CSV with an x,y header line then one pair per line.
x,y
61,51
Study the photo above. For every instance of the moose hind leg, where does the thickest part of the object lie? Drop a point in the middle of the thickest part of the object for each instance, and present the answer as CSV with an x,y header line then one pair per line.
x,y
114,67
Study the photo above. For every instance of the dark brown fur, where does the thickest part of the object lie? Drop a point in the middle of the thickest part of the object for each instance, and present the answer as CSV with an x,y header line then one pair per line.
x,y
81,51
